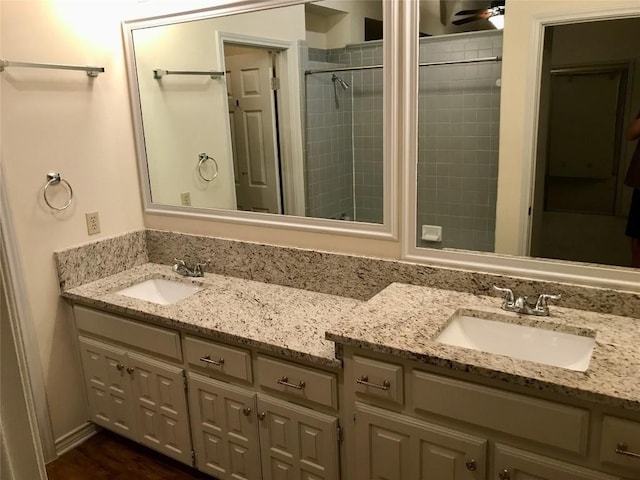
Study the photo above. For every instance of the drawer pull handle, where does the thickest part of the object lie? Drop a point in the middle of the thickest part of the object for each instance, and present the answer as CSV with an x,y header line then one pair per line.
x,y
120,367
207,359
621,449
246,411
285,381
261,415
504,475
364,380
471,465
130,370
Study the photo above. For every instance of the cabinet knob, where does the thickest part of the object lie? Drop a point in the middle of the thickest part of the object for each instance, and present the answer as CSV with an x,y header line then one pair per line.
x,y
130,370
471,465
504,475
261,415
246,411
120,367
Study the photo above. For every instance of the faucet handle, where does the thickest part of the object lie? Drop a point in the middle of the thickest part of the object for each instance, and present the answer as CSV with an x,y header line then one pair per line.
x,y
509,299
179,262
199,266
541,304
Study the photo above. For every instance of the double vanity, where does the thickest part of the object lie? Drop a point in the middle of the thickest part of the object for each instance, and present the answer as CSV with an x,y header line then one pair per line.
x,y
245,379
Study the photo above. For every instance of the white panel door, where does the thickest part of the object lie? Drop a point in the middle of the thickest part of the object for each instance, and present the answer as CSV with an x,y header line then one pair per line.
x,y
225,429
297,443
390,446
160,406
252,118
108,387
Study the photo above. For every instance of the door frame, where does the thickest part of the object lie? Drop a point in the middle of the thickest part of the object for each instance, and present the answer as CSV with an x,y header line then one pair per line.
x,y
26,346
288,110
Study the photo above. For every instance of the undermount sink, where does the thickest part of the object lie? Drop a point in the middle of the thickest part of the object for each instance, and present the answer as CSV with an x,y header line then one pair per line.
x,y
160,290
549,347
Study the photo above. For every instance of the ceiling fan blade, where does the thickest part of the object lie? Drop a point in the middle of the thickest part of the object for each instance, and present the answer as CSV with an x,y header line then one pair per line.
x,y
471,12
462,21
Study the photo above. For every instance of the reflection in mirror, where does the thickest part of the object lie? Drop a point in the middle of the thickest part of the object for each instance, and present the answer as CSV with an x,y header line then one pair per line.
x,y
589,93
458,124
277,111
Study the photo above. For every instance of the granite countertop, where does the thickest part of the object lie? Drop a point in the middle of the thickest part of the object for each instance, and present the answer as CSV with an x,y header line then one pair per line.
x,y
403,320
279,319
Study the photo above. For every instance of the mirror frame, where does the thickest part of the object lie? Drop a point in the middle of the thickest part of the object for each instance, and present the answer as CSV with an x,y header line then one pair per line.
x,y
622,278
388,230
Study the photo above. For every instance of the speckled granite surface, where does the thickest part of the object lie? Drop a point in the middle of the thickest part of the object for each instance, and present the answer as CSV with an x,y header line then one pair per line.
x,y
278,319
88,262
362,277
403,320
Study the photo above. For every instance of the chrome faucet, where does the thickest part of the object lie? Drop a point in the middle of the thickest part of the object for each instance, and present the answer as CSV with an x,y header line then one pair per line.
x,y
181,267
521,304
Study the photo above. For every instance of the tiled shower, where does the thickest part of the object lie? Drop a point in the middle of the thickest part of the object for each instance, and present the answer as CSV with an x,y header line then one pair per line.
x,y
458,137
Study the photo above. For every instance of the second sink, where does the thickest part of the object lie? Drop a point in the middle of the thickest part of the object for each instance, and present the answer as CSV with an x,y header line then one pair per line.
x,y
522,342
159,290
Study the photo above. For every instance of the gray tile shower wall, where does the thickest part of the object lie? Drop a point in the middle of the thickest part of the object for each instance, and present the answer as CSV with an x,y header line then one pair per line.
x,y
459,107
344,134
328,165
90,261
362,277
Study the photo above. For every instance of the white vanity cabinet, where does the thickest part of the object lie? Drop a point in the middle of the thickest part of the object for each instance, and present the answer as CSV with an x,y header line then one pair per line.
x,y
224,428
241,433
515,464
137,396
396,447
412,422
250,416
297,442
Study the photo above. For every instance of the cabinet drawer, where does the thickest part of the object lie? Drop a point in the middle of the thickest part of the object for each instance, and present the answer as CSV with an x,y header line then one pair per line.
x,y
624,436
298,381
216,358
137,334
539,420
378,379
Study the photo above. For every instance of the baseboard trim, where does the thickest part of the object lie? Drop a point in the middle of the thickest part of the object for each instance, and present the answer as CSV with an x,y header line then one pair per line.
x,y
75,437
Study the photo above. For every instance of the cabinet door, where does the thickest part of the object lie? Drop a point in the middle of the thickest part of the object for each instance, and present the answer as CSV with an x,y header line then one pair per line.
x,y
160,406
225,429
297,442
108,386
514,464
402,448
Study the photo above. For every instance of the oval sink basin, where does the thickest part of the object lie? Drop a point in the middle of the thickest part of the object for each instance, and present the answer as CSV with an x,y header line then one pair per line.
x,y
539,345
159,290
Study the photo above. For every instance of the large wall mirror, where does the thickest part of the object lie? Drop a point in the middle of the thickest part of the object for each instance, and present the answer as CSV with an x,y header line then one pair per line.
x,y
274,115
571,208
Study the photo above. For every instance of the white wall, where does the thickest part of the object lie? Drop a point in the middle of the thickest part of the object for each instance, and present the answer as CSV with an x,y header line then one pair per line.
x,y
62,120
346,25
184,115
518,109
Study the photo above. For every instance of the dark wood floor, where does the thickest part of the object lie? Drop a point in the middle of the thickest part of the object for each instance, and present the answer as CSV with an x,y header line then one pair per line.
x,y
107,456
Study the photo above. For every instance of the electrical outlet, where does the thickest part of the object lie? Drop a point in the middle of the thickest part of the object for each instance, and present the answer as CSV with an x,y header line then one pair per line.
x,y
93,223
185,198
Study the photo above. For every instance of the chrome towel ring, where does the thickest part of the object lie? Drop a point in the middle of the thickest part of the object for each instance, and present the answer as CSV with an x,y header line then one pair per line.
x,y
202,159
53,178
